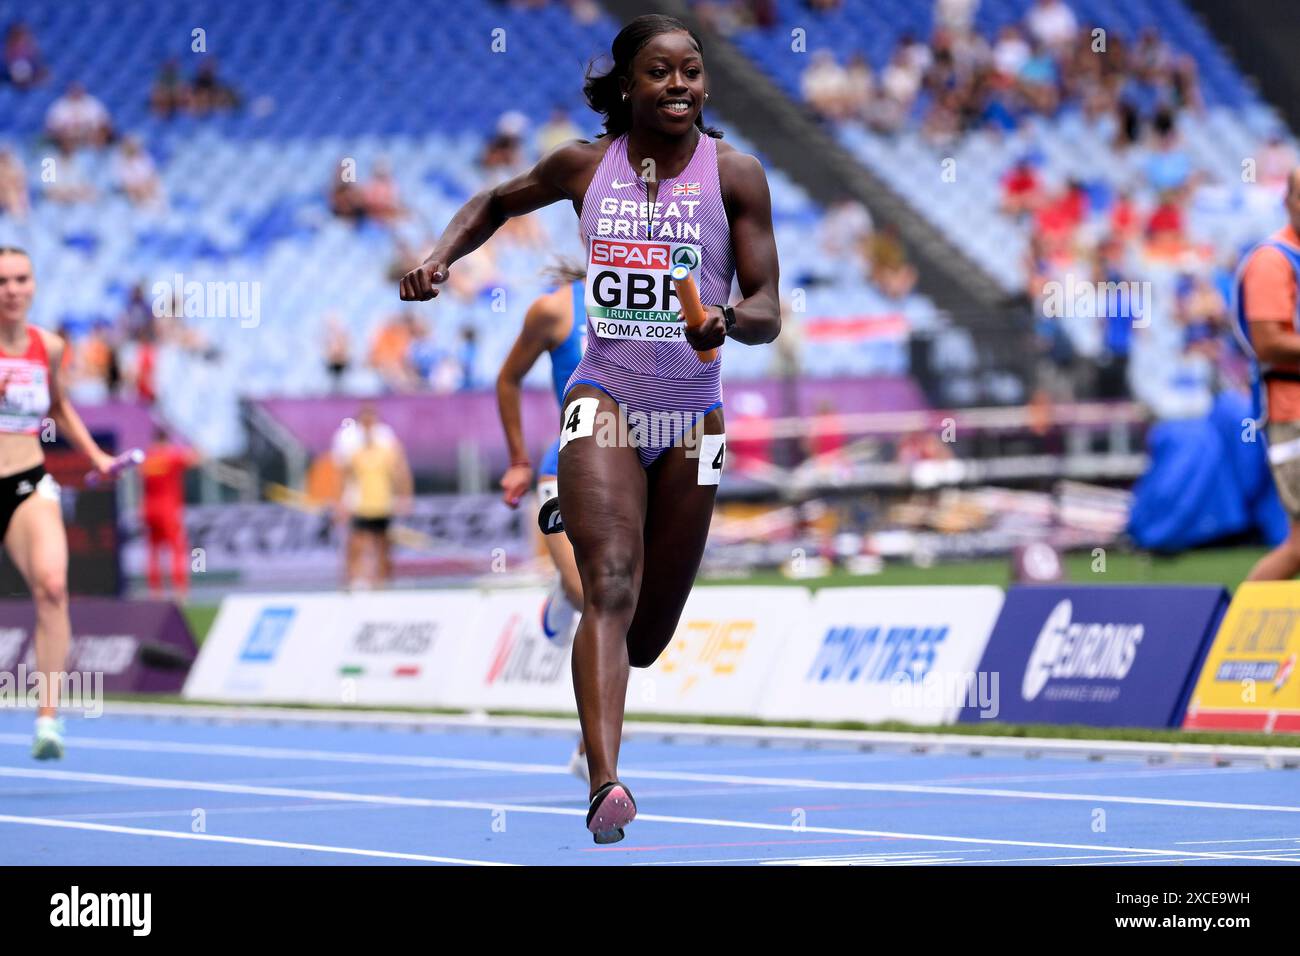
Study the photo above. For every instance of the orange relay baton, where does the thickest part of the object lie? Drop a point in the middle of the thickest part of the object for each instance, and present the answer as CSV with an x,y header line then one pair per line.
x,y
694,312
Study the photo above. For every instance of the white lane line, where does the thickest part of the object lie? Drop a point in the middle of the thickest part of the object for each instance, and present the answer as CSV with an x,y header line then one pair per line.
x,y
1252,840
242,841
789,783
490,806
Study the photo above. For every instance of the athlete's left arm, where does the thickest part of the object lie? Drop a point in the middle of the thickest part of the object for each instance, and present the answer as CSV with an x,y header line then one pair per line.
x,y
749,210
71,428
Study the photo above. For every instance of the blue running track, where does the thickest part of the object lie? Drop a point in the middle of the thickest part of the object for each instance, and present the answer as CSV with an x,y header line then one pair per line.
x,y
142,790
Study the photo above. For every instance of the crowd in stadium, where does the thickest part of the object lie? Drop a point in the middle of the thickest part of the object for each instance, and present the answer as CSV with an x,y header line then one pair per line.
x,y
958,82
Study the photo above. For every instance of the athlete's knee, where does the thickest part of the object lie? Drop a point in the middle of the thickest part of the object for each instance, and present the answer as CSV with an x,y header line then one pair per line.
x,y
612,584
50,589
642,656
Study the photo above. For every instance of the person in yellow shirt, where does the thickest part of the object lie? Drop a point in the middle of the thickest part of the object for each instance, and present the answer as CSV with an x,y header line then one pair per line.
x,y
377,485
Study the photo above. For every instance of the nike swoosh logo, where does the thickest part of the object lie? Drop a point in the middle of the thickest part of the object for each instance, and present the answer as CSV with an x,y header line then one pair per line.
x,y
617,185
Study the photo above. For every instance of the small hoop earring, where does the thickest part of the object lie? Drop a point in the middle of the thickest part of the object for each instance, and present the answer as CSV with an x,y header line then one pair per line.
x,y
625,96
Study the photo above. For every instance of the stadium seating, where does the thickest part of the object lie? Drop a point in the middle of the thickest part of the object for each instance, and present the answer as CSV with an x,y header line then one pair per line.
x,y
247,189
1226,216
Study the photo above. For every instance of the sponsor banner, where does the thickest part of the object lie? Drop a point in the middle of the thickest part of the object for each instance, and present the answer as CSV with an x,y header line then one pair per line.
x,y
1100,656
885,653
630,293
275,546
140,647
726,646
402,647
510,664
1249,680
271,647
371,649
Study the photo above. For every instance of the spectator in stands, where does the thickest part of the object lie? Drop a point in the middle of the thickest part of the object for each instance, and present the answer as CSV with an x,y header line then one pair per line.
x,y
1039,80
136,175
137,318
557,129
468,357
845,229
379,196
70,184
1276,160
957,16
424,356
503,154
209,92
1117,314
24,66
1052,23
345,196
390,351
143,364
338,351
1125,220
1165,235
899,84
824,85
170,93
1168,168
1022,193
1202,312
1010,53
891,271
859,87
14,200
77,119
584,12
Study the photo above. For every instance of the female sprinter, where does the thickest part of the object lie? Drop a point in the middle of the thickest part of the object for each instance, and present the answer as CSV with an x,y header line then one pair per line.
x,y
556,323
31,521
656,189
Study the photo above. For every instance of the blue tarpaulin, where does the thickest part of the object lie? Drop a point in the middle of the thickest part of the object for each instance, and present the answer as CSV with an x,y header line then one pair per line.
x,y
1207,480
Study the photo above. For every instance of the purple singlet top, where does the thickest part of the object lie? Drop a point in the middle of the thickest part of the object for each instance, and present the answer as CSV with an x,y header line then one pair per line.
x,y
636,350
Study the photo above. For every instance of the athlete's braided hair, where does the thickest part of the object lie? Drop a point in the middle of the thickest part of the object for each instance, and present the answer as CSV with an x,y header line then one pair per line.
x,y
603,92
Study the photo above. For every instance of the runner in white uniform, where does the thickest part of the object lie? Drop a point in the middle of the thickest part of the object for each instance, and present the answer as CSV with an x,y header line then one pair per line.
x,y
33,407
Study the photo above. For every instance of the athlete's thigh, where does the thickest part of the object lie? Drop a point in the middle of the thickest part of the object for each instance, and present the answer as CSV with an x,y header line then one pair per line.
x,y
683,486
37,543
602,487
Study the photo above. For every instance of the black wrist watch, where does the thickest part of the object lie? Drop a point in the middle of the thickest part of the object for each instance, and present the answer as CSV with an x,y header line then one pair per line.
x,y
729,317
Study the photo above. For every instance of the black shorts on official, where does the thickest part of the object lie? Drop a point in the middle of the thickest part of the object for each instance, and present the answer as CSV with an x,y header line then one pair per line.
x,y
373,525
14,490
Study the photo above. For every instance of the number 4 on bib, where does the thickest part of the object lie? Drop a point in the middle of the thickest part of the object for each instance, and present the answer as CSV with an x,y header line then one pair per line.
x,y
579,419
713,449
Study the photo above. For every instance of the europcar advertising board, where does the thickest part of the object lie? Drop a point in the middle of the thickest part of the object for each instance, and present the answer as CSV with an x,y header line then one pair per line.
x,y
1098,655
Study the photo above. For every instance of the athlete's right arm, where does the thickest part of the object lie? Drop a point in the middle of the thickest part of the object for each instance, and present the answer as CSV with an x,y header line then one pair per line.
x,y
535,337
553,178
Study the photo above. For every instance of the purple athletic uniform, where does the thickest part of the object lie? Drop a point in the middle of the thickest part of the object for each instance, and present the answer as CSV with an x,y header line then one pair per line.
x,y
636,351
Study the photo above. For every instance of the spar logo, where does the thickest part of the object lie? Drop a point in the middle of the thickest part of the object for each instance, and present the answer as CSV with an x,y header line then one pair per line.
x,y
631,255
1067,648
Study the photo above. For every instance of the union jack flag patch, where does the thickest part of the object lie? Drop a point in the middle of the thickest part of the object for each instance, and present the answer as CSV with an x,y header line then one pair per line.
x,y
686,189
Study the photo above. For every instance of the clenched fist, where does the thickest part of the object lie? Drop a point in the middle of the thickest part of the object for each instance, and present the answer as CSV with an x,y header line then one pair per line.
x,y
421,283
